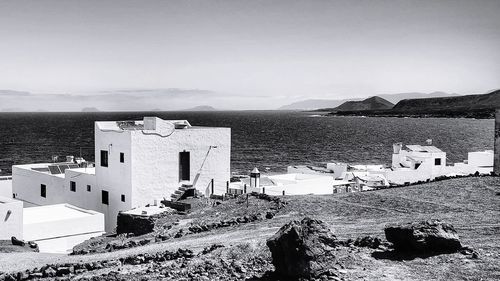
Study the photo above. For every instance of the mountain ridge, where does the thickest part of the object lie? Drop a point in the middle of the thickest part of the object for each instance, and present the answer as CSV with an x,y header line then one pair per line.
x,y
316,104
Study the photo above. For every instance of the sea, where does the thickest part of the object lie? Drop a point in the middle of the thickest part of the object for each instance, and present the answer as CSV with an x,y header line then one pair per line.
x,y
269,140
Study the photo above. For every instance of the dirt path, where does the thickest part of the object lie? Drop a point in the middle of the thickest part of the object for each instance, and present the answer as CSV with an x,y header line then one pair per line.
x,y
13,262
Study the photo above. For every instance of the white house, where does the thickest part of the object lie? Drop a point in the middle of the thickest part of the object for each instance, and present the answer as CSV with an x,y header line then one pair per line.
x,y
410,164
137,163
58,228
291,184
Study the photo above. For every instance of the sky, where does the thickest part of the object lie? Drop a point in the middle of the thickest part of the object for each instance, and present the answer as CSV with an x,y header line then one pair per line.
x,y
144,55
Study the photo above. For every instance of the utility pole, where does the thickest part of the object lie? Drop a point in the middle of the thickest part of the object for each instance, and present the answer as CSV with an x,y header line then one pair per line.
x,y
496,156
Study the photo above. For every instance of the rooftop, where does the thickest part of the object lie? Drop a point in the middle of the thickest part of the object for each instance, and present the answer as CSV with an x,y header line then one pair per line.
x,y
423,148
56,169
147,124
50,213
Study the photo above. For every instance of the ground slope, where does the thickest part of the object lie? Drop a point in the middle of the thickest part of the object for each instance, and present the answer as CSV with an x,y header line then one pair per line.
x,y
472,205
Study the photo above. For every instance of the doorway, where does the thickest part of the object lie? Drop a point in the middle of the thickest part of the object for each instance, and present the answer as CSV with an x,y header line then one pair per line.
x,y
184,166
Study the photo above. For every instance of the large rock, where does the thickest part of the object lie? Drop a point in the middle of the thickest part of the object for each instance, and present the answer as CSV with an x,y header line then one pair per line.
x,y
302,249
431,236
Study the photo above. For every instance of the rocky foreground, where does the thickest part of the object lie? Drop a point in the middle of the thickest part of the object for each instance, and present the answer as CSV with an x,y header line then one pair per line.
x,y
448,230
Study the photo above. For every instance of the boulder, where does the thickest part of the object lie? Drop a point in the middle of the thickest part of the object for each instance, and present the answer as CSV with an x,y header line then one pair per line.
x,y
16,242
302,249
432,236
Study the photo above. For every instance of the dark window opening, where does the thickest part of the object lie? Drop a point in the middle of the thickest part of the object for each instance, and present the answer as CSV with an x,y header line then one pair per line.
x,y
122,157
184,173
89,188
104,158
105,197
417,165
72,186
437,161
123,197
43,190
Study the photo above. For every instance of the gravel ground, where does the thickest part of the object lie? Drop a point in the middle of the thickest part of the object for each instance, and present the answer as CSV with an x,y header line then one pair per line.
x,y
472,205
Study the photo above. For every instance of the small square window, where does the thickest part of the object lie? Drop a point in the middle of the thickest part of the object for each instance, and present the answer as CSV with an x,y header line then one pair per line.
x,y
72,186
437,161
122,157
104,158
105,197
89,188
43,190
123,198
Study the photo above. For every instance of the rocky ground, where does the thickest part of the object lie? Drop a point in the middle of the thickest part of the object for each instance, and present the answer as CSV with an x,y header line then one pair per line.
x,y
218,243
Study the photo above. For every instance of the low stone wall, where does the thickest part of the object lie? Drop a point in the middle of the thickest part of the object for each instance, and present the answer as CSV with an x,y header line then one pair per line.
x,y
136,224
71,269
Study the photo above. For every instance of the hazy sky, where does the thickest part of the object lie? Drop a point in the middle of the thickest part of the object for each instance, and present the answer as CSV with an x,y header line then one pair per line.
x,y
248,54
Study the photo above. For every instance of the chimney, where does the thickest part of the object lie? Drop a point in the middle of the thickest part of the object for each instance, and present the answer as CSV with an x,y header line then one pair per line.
x,y
397,147
255,178
496,156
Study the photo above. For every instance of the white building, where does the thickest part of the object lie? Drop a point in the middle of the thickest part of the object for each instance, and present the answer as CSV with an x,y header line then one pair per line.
x,y
55,228
423,163
293,184
58,228
137,163
410,164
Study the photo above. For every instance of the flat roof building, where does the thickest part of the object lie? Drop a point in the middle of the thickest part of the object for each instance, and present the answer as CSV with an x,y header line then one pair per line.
x,y
136,163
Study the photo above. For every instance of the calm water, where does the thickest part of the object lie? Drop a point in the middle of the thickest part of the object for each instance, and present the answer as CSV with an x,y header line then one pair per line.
x,y
267,139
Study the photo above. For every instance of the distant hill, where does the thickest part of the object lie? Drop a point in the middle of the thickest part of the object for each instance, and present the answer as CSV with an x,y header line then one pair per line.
x,y
468,102
90,109
313,104
473,106
373,103
201,108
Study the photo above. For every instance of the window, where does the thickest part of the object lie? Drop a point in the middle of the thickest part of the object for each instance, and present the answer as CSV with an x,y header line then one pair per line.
x,y
123,197
437,161
122,157
43,190
89,188
184,166
104,158
105,197
72,186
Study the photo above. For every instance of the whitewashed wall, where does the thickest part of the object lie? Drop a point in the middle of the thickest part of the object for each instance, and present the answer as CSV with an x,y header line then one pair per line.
x,y
155,161
5,187
117,177
11,218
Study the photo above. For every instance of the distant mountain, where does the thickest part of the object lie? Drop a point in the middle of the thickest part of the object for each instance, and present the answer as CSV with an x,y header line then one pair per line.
x,y
467,106
395,98
90,109
313,104
468,102
373,103
201,108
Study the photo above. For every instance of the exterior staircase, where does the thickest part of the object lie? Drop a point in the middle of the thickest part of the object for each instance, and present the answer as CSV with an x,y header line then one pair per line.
x,y
185,190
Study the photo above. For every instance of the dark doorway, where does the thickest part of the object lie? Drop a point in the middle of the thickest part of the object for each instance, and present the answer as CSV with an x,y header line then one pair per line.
x,y
184,166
